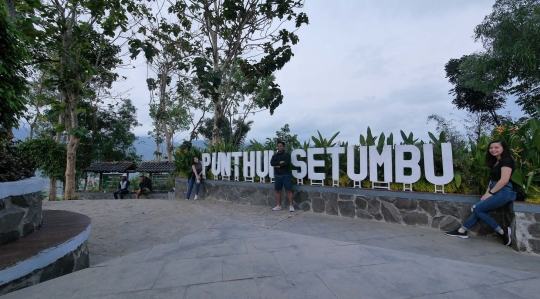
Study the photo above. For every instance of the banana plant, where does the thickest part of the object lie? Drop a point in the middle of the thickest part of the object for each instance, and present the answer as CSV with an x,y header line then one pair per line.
x,y
408,139
369,139
326,143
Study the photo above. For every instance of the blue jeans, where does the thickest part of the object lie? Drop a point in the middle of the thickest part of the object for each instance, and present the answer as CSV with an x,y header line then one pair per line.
x,y
497,200
192,180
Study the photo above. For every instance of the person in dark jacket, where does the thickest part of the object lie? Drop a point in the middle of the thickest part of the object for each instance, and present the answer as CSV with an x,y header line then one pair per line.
x,y
123,188
145,186
281,161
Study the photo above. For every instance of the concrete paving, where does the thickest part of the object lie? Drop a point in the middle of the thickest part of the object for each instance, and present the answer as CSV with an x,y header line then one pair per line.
x,y
208,249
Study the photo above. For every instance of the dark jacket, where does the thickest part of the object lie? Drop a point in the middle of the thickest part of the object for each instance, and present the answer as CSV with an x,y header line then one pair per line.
x,y
120,185
146,183
284,168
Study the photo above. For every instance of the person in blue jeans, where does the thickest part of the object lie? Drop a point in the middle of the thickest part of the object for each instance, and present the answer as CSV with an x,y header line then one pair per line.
x,y
281,162
194,178
499,192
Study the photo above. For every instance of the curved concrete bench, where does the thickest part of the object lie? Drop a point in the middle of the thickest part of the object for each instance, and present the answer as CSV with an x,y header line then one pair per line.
x,y
58,248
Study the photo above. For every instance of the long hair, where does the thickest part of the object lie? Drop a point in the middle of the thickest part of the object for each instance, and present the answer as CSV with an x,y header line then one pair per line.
x,y
492,160
193,160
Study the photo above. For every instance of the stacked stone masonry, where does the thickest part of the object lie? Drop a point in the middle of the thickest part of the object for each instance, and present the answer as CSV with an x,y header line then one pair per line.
x,y
438,211
527,232
20,215
71,262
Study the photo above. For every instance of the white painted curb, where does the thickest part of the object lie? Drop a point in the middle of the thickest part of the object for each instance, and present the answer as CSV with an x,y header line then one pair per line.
x,y
25,186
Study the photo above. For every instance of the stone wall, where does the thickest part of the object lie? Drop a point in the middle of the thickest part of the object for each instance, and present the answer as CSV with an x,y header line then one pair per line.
x,y
438,211
20,209
73,261
527,235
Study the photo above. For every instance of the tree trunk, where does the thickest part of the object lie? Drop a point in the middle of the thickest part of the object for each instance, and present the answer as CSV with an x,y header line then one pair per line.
x,y
157,151
85,181
69,96
52,189
71,146
218,122
52,181
168,137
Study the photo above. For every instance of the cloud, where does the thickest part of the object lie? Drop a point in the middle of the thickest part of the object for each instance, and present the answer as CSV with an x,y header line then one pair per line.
x,y
372,63
377,63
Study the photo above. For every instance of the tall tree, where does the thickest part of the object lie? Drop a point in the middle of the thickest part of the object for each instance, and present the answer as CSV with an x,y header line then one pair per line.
x,y
511,59
69,35
247,33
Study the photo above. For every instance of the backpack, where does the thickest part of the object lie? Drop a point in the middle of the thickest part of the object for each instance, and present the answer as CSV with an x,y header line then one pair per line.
x,y
520,193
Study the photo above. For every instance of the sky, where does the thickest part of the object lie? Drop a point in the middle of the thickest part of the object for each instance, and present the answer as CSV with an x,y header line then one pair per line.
x,y
361,63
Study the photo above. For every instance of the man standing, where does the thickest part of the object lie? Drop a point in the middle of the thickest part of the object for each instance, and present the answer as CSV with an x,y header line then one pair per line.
x,y
123,187
281,162
145,186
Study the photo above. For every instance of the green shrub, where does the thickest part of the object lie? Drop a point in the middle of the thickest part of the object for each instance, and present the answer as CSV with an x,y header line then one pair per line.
x,y
15,164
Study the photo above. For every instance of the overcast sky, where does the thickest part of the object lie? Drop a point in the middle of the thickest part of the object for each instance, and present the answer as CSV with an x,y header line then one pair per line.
x,y
362,63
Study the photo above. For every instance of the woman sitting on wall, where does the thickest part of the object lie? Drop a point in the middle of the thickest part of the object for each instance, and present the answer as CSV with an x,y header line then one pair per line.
x,y
194,177
499,192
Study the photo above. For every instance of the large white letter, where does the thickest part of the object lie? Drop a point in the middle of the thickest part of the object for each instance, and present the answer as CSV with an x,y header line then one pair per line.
x,y
270,167
205,162
294,161
262,172
215,165
225,162
429,167
363,163
249,164
335,151
312,163
384,159
236,156
401,164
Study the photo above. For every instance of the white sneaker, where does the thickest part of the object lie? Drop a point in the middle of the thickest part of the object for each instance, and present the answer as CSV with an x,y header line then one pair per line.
x,y
196,197
291,209
277,208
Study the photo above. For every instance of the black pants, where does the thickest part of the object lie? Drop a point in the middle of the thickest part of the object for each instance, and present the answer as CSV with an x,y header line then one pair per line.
x,y
121,193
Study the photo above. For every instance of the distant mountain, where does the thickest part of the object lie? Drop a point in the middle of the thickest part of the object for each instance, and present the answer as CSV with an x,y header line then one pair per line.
x,y
144,145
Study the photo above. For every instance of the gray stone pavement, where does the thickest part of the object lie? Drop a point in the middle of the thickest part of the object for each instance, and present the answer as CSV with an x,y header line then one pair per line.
x,y
207,249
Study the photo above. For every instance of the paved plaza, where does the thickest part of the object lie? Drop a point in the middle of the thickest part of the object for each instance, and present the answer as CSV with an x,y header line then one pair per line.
x,y
207,249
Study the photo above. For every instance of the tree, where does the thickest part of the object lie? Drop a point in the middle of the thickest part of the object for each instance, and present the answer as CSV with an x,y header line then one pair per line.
x,y
248,34
13,85
234,133
511,59
173,48
49,157
284,134
72,36
470,99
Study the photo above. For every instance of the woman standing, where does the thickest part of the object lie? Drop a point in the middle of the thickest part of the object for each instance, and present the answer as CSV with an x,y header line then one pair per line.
x,y
194,177
498,193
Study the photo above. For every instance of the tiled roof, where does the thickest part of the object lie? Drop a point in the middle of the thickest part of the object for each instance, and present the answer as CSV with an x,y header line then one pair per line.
x,y
152,167
112,167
